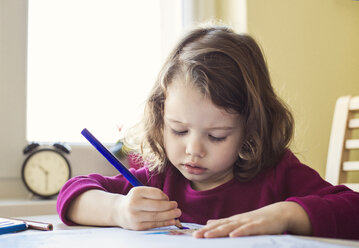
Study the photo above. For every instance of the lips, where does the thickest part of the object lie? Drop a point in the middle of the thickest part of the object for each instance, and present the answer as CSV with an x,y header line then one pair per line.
x,y
194,169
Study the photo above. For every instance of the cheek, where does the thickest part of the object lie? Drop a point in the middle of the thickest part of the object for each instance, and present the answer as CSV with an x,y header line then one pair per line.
x,y
172,146
228,152
227,155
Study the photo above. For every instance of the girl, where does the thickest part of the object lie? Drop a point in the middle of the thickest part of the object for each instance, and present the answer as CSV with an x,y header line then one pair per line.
x,y
215,152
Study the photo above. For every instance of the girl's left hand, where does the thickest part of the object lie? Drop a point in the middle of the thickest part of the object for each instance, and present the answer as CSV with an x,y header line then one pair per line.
x,y
276,218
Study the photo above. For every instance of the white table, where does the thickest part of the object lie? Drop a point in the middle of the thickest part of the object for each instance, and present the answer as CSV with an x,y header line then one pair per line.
x,y
85,236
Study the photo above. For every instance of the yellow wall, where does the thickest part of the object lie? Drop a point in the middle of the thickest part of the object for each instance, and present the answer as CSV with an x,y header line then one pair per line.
x,y
312,49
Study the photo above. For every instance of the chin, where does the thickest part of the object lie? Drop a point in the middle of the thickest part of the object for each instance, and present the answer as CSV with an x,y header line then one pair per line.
x,y
193,178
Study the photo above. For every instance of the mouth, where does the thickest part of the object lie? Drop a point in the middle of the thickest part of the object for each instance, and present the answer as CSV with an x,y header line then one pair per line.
x,y
193,168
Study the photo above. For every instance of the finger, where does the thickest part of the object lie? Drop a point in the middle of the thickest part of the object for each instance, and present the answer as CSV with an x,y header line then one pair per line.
x,y
220,231
153,224
200,233
148,216
253,228
216,228
150,193
210,225
157,205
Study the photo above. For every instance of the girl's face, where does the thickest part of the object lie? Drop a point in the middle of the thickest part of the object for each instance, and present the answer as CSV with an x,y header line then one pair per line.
x,y
201,140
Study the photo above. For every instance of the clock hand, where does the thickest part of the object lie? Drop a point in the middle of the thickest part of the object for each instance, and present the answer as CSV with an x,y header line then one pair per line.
x,y
46,177
46,181
42,168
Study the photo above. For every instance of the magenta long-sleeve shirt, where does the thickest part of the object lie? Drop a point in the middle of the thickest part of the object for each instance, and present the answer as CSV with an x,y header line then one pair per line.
x,y
333,210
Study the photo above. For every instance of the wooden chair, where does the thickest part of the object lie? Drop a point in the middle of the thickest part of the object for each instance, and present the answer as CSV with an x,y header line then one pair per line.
x,y
341,144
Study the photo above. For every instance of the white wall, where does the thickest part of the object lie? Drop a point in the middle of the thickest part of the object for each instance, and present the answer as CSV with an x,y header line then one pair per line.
x,y
13,43
13,17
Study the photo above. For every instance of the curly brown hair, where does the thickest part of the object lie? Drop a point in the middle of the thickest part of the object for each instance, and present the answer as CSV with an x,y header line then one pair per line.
x,y
230,69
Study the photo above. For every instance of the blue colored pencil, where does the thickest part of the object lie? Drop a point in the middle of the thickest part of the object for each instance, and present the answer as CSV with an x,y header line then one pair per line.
x,y
111,158
116,163
9,226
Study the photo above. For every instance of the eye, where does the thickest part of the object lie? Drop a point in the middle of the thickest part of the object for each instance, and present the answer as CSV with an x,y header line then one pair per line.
x,y
216,139
179,133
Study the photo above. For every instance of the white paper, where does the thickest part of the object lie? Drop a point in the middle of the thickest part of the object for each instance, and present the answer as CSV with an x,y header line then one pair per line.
x,y
117,237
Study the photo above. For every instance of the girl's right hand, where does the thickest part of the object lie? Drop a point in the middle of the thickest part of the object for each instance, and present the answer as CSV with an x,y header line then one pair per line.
x,y
144,208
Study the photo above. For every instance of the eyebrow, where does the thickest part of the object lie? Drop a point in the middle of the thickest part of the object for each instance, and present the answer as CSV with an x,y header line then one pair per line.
x,y
210,128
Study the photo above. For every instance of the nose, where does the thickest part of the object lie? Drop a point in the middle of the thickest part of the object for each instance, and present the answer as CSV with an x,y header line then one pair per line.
x,y
195,148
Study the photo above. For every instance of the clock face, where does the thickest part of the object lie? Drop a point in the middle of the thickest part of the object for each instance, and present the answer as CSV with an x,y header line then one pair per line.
x,y
45,171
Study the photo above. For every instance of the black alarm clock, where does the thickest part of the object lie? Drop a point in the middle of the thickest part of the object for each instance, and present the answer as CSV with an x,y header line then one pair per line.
x,y
46,169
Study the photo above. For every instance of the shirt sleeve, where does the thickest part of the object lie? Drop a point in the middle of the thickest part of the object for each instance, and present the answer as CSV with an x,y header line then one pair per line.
x,y
116,184
332,210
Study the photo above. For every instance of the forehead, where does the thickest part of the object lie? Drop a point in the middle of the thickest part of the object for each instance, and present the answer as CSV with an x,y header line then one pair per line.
x,y
187,104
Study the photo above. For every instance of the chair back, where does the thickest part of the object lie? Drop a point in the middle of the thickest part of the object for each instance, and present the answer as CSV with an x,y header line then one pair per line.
x,y
341,144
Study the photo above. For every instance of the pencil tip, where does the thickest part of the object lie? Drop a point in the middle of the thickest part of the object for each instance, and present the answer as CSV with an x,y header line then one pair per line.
x,y
179,225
